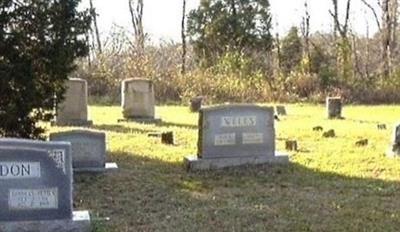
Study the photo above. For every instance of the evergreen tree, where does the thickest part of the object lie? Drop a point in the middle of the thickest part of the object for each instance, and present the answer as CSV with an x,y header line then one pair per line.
x,y
219,26
291,51
39,41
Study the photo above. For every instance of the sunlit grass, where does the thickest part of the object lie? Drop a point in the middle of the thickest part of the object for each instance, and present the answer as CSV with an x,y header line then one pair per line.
x,y
330,185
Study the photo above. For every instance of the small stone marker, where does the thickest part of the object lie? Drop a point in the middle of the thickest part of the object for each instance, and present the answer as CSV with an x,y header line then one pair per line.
x,y
138,101
362,143
73,111
318,128
291,145
166,137
334,107
36,188
233,135
88,150
394,149
329,134
381,126
281,110
195,103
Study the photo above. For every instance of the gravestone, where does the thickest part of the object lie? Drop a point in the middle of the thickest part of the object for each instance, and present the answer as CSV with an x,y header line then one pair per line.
x,y
233,135
138,101
334,107
88,150
36,188
195,103
73,111
394,148
281,110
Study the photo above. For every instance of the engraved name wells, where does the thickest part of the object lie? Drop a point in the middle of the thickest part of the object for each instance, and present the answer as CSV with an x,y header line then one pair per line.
x,y
241,121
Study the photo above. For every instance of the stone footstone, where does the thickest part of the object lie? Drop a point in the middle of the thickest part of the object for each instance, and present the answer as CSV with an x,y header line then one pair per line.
x,y
195,104
233,135
73,111
88,150
281,110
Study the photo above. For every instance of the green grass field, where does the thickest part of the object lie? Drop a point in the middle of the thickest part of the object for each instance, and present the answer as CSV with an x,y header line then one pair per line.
x,y
329,185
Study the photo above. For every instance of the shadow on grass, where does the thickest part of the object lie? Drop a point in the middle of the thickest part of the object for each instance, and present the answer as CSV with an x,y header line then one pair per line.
x,y
181,125
152,195
119,129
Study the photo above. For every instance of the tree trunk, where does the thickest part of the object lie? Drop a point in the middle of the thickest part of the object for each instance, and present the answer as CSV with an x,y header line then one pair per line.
x,y
96,29
183,38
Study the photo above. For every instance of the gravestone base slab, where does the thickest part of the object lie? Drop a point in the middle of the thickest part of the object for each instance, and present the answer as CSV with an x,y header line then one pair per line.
x,y
84,123
193,163
80,223
110,167
140,120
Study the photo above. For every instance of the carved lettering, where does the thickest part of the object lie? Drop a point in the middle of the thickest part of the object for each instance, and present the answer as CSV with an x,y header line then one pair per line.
x,y
19,170
242,121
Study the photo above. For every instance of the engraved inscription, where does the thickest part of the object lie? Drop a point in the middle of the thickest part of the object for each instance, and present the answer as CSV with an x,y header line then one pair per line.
x,y
19,170
225,139
59,158
253,138
33,199
242,121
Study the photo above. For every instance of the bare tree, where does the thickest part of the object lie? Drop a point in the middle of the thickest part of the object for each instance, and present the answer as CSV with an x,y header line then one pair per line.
x,y
96,29
183,38
343,44
136,10
305,30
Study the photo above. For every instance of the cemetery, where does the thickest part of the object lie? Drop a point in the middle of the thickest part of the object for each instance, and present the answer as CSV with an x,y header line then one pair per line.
x,y
233,128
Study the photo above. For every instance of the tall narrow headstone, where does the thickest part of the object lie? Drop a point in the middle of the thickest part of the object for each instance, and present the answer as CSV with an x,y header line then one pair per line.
x,y
232,135
73,111
88,150
334,107
36,188
394,148
138,101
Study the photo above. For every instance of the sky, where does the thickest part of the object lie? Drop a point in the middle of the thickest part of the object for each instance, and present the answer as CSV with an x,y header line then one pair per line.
x,y
162,18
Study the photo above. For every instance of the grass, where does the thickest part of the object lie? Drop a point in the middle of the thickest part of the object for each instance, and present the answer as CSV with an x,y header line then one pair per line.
x,y
330,184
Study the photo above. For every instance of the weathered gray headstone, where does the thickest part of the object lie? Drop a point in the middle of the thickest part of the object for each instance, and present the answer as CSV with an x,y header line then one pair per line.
x,y
88,150
138,101
394,149
73,111
232,135
36,188
334,107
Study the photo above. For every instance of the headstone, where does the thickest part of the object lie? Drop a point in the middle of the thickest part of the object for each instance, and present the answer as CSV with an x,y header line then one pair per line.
x,y
281,110
73,111
233,135
88,150
195,103
394,148
36,188
334,107
138,101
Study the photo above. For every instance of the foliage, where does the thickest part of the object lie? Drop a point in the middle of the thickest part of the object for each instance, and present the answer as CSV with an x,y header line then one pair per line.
x,y
218,26
39,41
291,51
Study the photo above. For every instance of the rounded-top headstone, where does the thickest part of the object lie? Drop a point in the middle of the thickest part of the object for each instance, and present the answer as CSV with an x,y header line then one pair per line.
x,y
334,107
73,109
138,99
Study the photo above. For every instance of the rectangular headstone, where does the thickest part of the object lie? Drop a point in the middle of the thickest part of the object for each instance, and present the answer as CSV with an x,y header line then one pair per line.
x,y
32,186
88,149
236,131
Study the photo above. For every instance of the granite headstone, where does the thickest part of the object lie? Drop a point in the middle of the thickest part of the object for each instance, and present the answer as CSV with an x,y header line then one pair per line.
x,y
232,135
88,150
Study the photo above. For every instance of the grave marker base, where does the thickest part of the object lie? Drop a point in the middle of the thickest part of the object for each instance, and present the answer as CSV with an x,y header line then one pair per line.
x,y
73,123
193,163
109,167
80,223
